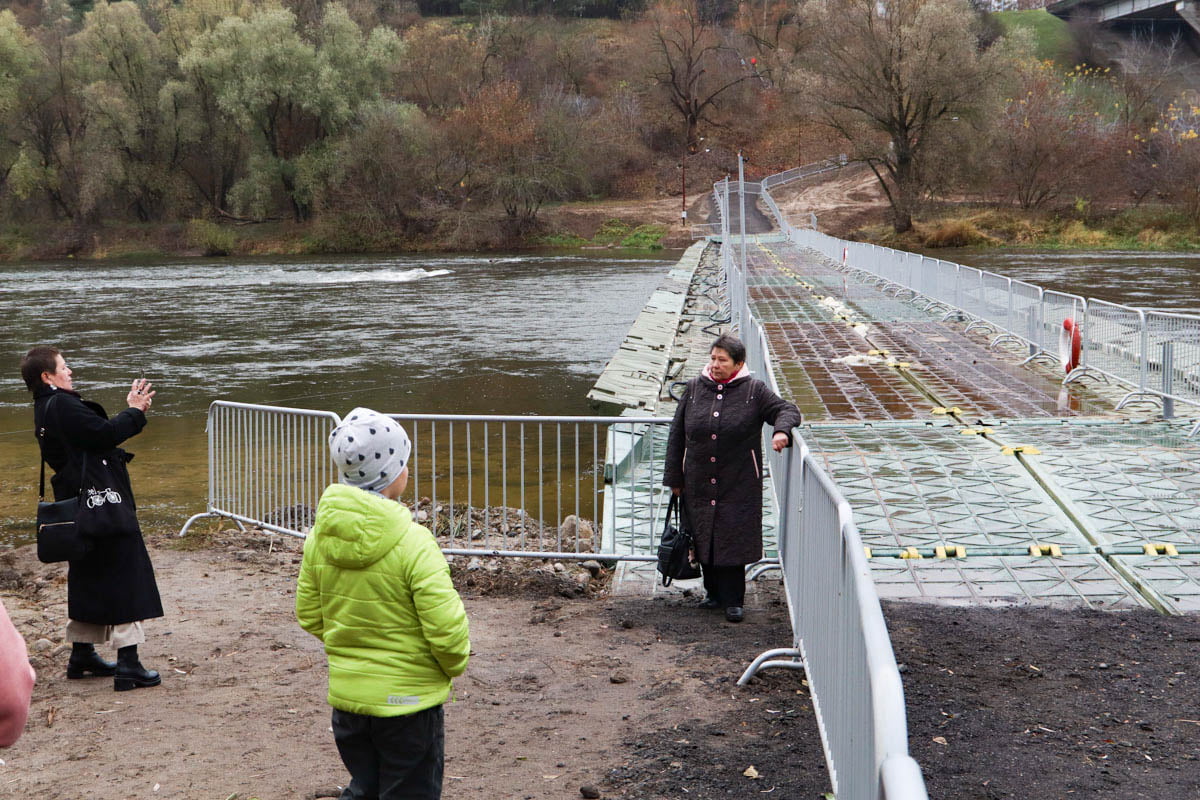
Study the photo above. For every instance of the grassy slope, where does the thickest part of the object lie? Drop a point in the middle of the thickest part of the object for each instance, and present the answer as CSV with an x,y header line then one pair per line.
x,y
1052,40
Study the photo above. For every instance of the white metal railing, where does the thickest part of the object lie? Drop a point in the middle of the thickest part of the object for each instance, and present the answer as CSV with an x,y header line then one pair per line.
x,y
1127,344
496,485
806,171
839,635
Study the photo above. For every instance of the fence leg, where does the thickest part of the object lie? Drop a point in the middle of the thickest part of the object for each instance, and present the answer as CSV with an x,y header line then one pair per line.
x,y
761,568
1168,368
205,515
763,662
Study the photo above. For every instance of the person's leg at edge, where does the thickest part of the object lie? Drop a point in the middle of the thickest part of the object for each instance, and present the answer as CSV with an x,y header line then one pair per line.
x,y
130,673
85,662
712,589
412,755
355,743
731,583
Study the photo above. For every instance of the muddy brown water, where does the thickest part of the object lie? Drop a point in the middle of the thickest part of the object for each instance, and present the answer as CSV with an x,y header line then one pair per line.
x,y
481,334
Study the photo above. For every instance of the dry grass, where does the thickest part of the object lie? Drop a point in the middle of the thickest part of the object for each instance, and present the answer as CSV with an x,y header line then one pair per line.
x,y
956,233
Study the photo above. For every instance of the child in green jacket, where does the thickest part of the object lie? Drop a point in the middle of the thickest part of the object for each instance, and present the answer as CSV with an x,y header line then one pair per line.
x,y
376,590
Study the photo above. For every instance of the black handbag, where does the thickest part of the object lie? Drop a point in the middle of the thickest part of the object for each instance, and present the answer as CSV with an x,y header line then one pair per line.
x,y
58,534
675,546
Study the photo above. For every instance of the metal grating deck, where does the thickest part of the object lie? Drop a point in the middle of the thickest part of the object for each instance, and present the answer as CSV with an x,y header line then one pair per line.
x,y
1110,508
928,485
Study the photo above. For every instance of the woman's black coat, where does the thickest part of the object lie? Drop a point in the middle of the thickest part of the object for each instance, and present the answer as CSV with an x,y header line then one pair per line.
x,y
714,453
114,583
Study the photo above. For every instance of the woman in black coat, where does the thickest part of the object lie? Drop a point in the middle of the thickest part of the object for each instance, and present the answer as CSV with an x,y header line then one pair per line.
x,y
714,461
111,590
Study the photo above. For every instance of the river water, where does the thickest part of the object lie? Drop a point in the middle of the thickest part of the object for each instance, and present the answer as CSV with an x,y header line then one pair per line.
x,y
424,334
510,334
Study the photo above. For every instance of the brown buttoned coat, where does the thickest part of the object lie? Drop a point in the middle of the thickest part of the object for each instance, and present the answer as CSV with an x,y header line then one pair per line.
x,y
714,453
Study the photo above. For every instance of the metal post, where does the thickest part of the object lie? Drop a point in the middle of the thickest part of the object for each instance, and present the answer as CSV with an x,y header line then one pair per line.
x,y
742,205
1168,368
683,189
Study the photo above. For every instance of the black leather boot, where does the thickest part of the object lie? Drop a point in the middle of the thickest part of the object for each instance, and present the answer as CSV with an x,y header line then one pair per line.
x,y
130,673
85,662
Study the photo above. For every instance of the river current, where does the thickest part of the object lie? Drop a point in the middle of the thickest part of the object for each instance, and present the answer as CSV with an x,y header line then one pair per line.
x,y
511,334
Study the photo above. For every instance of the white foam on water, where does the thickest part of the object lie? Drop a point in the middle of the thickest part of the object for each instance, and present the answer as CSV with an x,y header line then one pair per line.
x,y
223,276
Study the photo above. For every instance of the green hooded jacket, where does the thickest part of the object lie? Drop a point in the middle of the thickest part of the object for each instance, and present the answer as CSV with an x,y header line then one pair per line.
x,y
376,590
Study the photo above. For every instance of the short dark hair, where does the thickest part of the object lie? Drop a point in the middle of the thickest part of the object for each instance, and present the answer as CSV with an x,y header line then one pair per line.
x,y
731,345
42,358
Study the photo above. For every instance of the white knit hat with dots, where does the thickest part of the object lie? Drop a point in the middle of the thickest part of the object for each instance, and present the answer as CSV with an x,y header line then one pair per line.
x,y
369,449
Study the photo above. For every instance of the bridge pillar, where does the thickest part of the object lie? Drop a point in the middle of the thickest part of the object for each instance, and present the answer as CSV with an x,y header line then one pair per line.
x,y
1190,11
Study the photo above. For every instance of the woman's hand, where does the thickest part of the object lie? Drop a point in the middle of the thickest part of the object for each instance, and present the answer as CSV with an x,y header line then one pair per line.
x,y
677,490
140,395
779,441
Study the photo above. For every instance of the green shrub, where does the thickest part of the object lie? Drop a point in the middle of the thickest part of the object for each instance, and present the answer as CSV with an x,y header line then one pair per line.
x,y
645,237
611,232
350,233
560,239
211,238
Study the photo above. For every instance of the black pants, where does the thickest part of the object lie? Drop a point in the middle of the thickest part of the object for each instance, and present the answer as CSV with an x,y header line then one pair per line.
x,y
392,758
726,585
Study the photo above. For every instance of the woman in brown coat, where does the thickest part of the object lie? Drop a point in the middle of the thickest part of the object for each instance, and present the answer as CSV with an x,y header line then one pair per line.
x,y
714,461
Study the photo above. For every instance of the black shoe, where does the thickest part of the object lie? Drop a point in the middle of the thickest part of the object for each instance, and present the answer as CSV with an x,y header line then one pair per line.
x,y
734,614
134,676
710,604
90,665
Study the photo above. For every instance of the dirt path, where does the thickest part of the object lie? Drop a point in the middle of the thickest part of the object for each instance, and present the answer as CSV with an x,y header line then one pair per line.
x,y
568,687
561,682
842,201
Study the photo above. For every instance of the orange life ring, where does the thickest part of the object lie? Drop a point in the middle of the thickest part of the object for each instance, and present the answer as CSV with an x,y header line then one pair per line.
x,y
1070,344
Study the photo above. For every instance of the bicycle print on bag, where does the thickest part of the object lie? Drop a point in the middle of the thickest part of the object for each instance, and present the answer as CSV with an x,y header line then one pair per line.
x,y
98,497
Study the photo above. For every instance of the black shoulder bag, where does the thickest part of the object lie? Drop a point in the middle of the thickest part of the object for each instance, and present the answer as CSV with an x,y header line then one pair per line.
x,y
674,549
58,535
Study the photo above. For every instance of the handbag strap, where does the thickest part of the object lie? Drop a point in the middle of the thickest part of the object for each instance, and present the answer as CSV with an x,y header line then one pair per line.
x,y
673,508
685,524
41,434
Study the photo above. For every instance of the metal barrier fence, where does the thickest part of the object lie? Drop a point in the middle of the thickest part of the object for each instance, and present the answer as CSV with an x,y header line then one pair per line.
x,y
267,466
1127,344
806,171
495,485
839,635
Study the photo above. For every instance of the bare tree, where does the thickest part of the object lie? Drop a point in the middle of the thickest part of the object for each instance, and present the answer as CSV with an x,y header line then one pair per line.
x,y
893,77
695,61
1149,72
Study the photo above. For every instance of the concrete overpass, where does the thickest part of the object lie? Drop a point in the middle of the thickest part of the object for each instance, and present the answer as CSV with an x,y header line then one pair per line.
x,y
1157,12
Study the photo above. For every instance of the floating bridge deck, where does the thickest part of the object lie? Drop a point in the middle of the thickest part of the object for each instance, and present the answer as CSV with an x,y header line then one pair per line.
x,y
974,479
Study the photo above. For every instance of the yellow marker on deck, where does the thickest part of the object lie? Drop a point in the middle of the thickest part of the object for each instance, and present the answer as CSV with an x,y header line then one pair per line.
x,y
1052,550
1028,450
950,551
911,552
1159,549
938,410
975,431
